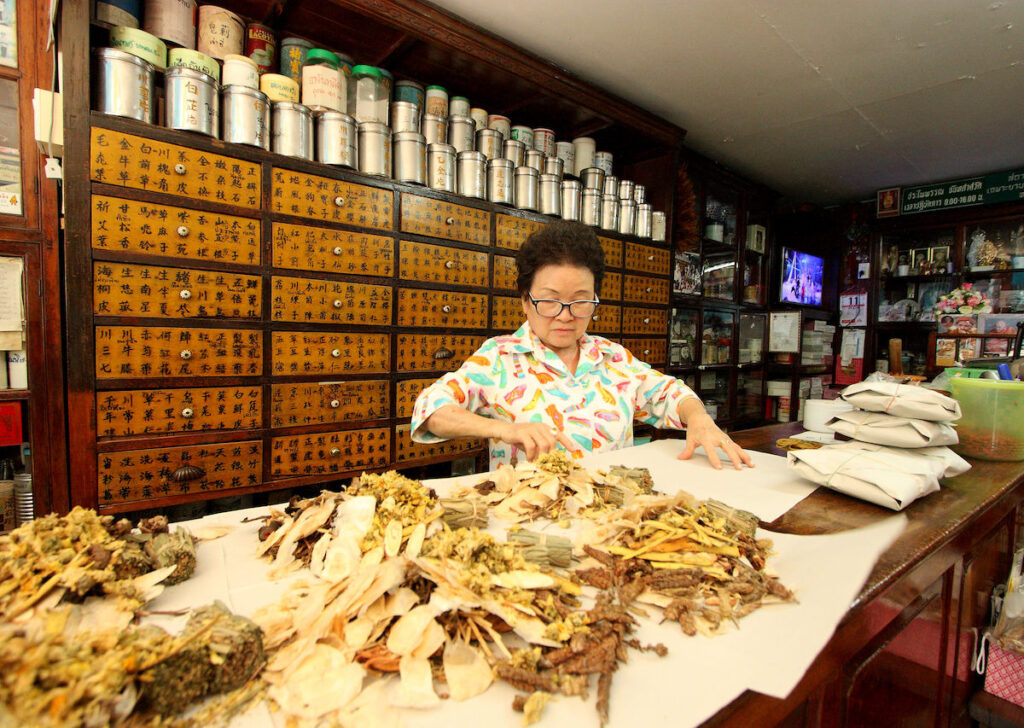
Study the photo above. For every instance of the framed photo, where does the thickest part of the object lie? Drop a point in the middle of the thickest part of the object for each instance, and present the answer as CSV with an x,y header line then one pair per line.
x,y
998,323
686,274
921,260
756,235
940,259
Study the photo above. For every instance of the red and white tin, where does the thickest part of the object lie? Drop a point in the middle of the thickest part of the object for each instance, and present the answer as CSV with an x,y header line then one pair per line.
x,y
221,32
261,47
544,140
172,21
500,124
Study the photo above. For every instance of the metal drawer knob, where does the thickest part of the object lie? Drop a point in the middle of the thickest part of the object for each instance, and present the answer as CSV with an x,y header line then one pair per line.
x,y
186,413
647,321
337,250
650,257
339,201
336,353
449,221
186,473
595,318
335,452
449,264
183,231
446,308
649,289
185,294
335,404
646,352
186,354
337,303
443,353
180,168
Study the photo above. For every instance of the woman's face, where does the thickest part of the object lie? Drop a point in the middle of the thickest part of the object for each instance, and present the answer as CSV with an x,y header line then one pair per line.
x,y
565,283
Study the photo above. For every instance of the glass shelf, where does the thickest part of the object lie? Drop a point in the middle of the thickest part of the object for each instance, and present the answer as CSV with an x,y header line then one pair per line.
x,y
683,338
716,337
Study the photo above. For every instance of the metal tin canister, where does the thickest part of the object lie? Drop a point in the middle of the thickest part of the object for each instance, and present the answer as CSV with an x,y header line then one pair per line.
x,y
567,153
544,140
527,188
240,71
437,101
246,116
123,85
405,116
336,139
410,157
642,229
571,199
489,142
627,217
261,46
221,32
292,127
514,150
501,124
293,57
592,178
173,21
603,160
375,149
584,149
499,181
658,226
590,207
551,194
610,186
434,129
626,188
195,60
192,101
555,166
458,106
120,12
441,167
462,133
139,43
523,134
472,176
610,212
279,87
640,194
534,159
479,116
411,92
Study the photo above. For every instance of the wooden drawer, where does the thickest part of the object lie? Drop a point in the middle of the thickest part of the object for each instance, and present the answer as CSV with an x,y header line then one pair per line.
x,y
607,319
612,251
124,289
163,411
127,160
322,198
441,309
313,300
427,216
302,247
440,264
505,273
651,351
406,450
507,313
324,403
512,232
644,289
406,392
611,287
128,352
322,453
644,320
647,259
129,226
315,352
434,352
140,475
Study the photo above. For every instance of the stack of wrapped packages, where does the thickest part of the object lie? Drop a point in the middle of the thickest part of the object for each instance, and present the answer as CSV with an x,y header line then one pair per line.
x,y
898,452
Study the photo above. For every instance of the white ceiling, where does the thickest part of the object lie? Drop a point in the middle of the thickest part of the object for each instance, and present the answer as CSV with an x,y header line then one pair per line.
x,y
823,100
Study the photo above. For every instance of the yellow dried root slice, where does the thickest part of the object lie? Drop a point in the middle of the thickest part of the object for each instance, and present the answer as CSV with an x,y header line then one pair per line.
x,y
324,682
465,670
416,684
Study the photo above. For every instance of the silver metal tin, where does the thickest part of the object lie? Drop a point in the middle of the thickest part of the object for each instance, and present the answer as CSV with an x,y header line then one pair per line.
x,y
410,157
642,228
592,178
627,217
441,167
567,153
590,207
603,161
534,159
434,129
246,116
659,230
527,188
571,199
336,139
462,133
499,181
514,151
488,142
192,101
626,188
551,194
639,194
123,85
405,116
472,177
291,125
555,166
609,212
375,149
610,185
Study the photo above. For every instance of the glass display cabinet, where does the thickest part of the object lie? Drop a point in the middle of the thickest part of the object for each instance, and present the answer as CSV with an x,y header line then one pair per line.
x,y
718,276
714,391
750,336
683,338
716,337
915,269
750,395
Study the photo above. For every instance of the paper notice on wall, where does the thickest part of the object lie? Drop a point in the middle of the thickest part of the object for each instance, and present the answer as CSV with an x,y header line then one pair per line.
x,y
12,316
852,347
853,309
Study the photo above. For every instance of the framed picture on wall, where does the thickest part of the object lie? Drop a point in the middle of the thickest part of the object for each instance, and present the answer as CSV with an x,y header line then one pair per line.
x,y
921,260
756,235
940,259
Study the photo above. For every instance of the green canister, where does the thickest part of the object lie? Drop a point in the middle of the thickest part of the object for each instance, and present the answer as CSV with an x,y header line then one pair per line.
x,y
411,92
992,424
293,56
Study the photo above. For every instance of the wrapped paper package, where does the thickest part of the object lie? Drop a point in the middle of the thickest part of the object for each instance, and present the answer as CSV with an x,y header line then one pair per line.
x,y
883,429
902,400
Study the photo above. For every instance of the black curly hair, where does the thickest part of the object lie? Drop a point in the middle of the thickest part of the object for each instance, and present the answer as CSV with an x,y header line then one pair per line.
x,y
561,243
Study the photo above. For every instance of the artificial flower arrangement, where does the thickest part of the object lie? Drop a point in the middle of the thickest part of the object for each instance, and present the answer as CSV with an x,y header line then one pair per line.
x,y
963,300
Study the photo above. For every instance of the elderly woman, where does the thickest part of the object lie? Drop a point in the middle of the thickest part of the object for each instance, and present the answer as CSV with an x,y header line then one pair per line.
x,y
550,383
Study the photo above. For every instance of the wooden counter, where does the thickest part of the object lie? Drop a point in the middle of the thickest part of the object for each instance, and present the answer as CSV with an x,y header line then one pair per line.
x,y
902,654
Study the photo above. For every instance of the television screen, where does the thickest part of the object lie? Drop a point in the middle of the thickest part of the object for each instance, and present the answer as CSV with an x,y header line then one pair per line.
x,y
802,277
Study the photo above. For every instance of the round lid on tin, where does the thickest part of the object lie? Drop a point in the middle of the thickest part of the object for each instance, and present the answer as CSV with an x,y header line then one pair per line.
x,y
527,171
488,132
374,127
327,115
238,89
438,148
292,40
460,119
176,71
409,136
236,58
550,178
293,106
437,88
367,71
407,82
500,162
455,98
118,55
571,184
644,206
476,156
321,55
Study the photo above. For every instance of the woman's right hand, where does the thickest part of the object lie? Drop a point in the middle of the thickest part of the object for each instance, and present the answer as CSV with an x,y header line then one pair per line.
x,y
534,438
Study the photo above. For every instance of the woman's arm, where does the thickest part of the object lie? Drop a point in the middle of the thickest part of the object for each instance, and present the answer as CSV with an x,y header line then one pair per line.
x,y
534,438
701,430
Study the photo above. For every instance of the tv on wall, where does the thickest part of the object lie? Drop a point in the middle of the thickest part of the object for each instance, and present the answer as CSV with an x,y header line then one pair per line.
x,y
802,276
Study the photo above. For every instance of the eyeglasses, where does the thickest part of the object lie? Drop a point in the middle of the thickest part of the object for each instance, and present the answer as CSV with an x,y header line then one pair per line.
x,y
550,308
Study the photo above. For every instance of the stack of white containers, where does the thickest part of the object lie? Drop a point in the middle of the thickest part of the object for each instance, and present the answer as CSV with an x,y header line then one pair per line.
x,y
899,448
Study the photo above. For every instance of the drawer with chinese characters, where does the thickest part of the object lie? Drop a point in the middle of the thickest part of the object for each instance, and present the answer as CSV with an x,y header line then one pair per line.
x,y
321,250
439,264
130,226
512,232
316,301
441,309
331,200
165,411
406,392
323,403
439,219
611,287
126,289
607,319
651,351
317,352
645,289
644,320
406,450
647,259
135,476
506,273
324,453
435,352
507,313
612,251
129,352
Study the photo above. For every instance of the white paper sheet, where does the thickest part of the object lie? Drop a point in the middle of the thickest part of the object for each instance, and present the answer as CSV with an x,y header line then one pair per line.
x,y
12,316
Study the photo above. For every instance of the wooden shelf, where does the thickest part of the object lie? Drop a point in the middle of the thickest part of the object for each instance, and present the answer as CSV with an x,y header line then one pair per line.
x,y
919,278
11,395
986,273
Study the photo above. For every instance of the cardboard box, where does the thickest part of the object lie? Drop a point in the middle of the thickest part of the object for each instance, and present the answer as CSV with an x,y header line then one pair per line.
x,y
1004,675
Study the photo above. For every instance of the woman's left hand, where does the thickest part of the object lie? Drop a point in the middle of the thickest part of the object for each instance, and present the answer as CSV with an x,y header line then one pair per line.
x,y
701,431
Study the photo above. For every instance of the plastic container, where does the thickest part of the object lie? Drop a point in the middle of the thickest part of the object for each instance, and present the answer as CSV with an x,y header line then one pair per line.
x,y
323,85
368,95
992,425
